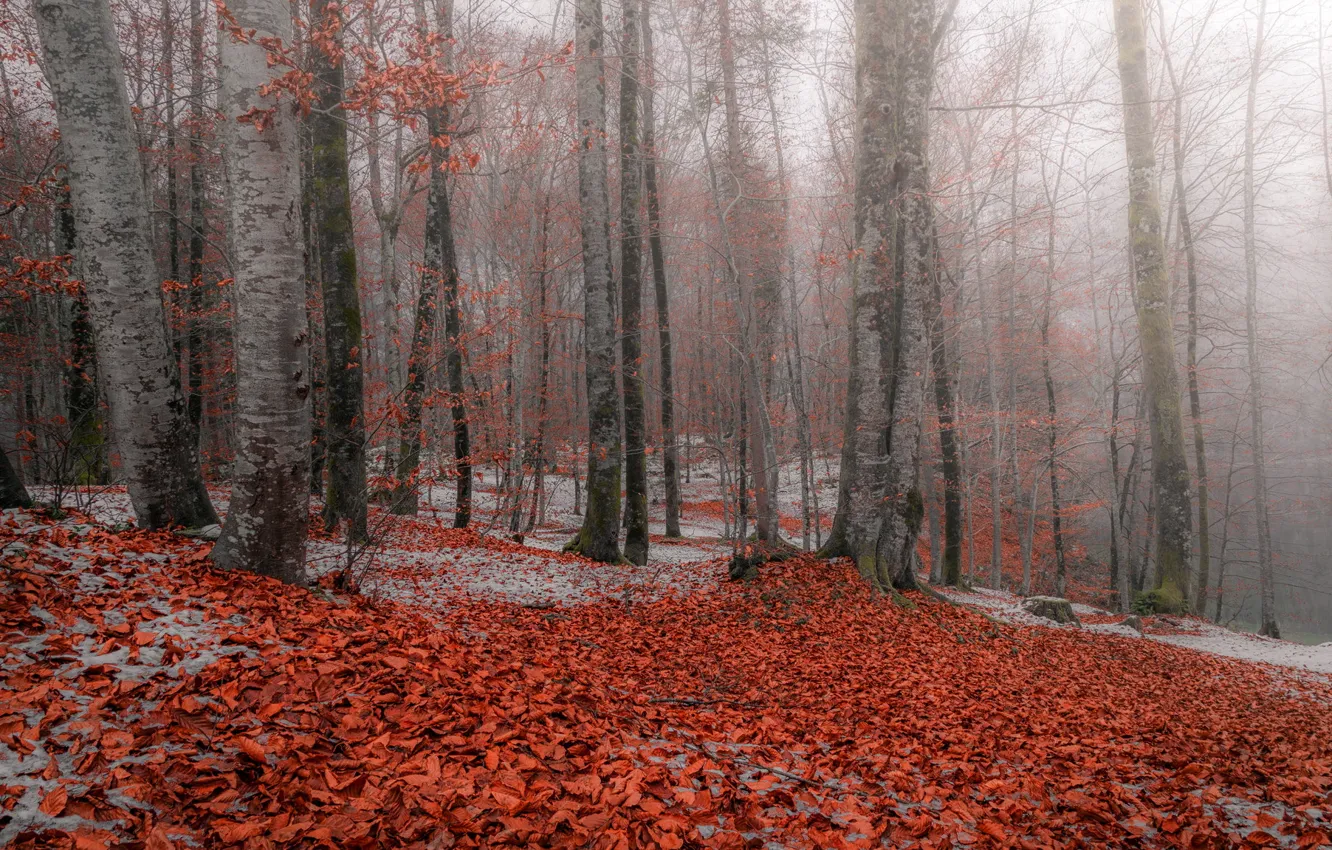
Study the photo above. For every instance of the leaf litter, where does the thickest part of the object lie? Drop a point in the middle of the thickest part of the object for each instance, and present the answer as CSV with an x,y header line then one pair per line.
x,y
149,700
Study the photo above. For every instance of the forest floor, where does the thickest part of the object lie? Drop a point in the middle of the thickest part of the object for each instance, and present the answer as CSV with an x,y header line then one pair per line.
x,y
482,692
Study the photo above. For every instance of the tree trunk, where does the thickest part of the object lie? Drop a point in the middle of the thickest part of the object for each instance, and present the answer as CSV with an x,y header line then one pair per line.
x,y
670,456
1170,470
951,572
345,420
1052,410
148,416
195,300
440,264
1191,346
543,389
270,502
12,492
894,63
755,346
1266,584
631,295
87,442
599,537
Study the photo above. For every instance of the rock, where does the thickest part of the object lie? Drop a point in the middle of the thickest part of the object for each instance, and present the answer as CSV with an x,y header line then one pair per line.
x,y
1133,621
208,532
1051,608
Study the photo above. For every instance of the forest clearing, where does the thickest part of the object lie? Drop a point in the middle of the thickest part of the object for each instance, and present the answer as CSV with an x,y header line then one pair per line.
x,y
609,424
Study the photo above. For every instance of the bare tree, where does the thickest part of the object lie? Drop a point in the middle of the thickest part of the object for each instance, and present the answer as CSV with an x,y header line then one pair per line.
x,y
670,456
631,294
1170,469
142,386
599,538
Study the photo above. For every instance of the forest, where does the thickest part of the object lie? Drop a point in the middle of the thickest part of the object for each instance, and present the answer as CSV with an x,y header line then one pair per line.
x,y
665,423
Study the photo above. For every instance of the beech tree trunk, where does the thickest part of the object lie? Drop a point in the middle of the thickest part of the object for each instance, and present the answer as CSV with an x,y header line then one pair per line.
x,y
1170,469
87,442
670,456
631,295
270,498
894,70
755,345
951,572
345,498
110,205
1266,584
12,492
195,287
1200,586
599,538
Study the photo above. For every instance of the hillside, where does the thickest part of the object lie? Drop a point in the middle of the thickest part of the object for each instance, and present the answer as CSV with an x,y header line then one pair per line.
x,y
152,701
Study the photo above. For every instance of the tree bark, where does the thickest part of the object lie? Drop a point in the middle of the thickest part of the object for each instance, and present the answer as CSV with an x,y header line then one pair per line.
x,y
1266,584
270,502
951,572
440,265
599,537
148,415
755,345
631,294
12,492
1191,346
670,456
1170,470
345,498
195,287
894,222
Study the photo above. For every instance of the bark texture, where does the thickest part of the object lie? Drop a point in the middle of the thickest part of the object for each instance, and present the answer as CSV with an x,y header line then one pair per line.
x,y
670,455
1170,469
142,386
599,538
894,71
1266,581
345,498
631,295
949,454
12,492
270,501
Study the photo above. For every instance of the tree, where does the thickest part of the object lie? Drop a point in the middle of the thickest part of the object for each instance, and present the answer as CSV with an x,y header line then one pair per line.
x,y
894,258
1186,236
439,266
195,299
346,497
12,492
1266,583
670,455
631,295
1170,469
599,537
142,386
266,527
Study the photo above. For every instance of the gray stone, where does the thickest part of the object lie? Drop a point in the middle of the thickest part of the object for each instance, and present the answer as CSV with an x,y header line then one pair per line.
x,y
1051,608
1133,621
208,532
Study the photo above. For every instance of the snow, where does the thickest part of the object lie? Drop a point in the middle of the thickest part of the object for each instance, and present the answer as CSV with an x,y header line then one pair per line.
x,y
1202,636
66,652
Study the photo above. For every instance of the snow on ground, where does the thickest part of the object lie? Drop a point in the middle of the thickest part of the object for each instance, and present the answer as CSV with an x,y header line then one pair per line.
x,y
103,633
1187,632
536,574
